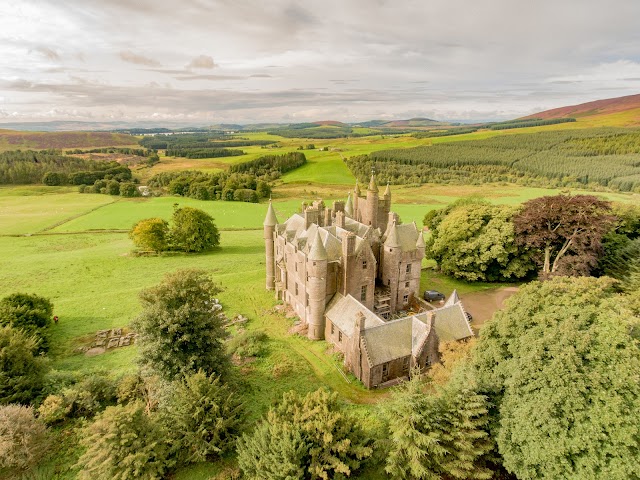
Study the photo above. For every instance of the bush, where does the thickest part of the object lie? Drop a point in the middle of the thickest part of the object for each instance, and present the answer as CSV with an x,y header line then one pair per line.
x,y
53,410
124,443
113,187
203,416
245,195
128,189
248,344
28,312
21,369
54,179
23,438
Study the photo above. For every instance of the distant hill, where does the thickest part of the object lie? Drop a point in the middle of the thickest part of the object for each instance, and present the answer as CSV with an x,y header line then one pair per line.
x,y
13,140
414,122
620,111
331,123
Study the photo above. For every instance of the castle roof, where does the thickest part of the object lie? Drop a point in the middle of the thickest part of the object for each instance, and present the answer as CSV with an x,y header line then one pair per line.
x,y
342,312
356,189
387,191
392,239
270,220
420,242
348,208
405,236
373,186
317,251
451,323
453,299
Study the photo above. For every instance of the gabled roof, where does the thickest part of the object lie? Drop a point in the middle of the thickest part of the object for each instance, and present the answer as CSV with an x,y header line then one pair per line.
x,y
406,236
342,312
453,299
389,341
451,323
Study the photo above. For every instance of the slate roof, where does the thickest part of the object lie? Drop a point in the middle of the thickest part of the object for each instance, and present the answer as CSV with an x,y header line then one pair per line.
x,y
270,220
451,323
406,236
342,312
389,341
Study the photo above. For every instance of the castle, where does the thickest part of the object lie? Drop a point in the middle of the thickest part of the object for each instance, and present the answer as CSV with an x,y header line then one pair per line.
x,y
349,272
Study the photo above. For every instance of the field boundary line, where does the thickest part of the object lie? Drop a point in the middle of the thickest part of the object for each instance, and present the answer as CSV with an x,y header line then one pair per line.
x,y
68,219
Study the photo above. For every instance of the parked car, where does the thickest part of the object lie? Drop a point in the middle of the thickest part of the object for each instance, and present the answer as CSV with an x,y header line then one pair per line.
x,y
431,295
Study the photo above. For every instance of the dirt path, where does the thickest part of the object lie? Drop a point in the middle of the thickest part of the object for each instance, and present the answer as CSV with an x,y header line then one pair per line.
x,y
482,305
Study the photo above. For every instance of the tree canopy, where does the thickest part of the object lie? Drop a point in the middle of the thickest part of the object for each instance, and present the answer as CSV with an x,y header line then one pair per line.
x,y
561,364
565,232
475,241
181,329
151,234
193,230
28,312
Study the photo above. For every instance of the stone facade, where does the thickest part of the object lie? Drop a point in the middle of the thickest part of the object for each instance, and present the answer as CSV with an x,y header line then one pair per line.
x,y
347,271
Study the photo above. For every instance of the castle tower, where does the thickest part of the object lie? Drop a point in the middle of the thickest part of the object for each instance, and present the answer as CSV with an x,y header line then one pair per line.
x,y
316,288
391,253
270,222
357,204
371,217
348,207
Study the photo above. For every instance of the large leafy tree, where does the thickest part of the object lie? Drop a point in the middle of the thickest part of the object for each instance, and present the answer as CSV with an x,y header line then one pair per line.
x,y
565,231
438,436
561,364
193,230
304,437
151,234
475,241
181,328
28,312
22,370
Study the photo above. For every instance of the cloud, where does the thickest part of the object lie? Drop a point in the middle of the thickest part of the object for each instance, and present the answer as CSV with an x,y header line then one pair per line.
x,y
130,57
202,61
48,53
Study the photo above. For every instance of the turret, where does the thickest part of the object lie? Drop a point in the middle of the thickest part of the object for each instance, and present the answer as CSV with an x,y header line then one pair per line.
x,y
316,288
348,208
390,256
357,214
270,222
371,217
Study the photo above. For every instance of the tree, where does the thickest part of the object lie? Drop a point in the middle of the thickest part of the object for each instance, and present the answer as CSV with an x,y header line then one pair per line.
x,y
561,365
203,416
476,242
438,436
565,231
28,312
193,230
304,437
122,443
54,179
181,328
23,438
21,369
151,234
128,189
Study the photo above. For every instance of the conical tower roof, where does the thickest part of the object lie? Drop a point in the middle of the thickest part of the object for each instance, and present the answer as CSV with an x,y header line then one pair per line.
x,y
357,188
453,299
317,252
392,239
420,241
387,191
348,208
373,186
270,220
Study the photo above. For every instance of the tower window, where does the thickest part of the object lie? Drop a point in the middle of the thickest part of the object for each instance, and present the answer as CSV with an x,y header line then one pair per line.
x,y
405,299
408,268
363,293
339,336
407,284
296,288
332,328
364,264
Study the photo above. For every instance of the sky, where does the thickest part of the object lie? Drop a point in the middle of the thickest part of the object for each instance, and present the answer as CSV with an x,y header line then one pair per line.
x,y
247,61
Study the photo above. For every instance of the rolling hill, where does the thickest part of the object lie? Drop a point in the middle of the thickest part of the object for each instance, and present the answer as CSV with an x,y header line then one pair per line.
x,y
620,111
13,140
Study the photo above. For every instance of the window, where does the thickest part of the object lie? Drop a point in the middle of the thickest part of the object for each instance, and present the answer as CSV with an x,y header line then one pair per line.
x,y
407,284
364,264
405,364
296,266
363,293
332,328
385,371
339,336
408,268
405,299
296,289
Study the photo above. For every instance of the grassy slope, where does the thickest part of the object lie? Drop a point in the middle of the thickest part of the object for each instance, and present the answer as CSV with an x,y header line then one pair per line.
x,y
13,140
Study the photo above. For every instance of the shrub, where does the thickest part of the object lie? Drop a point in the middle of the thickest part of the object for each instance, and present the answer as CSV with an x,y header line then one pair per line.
x,y
248,344
54,179
23,438
21,369
193,230
128,189
53,410
122,443
28,312
245,195
113,187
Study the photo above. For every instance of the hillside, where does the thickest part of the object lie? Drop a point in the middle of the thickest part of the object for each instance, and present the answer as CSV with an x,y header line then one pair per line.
x,y
620,111
13,140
